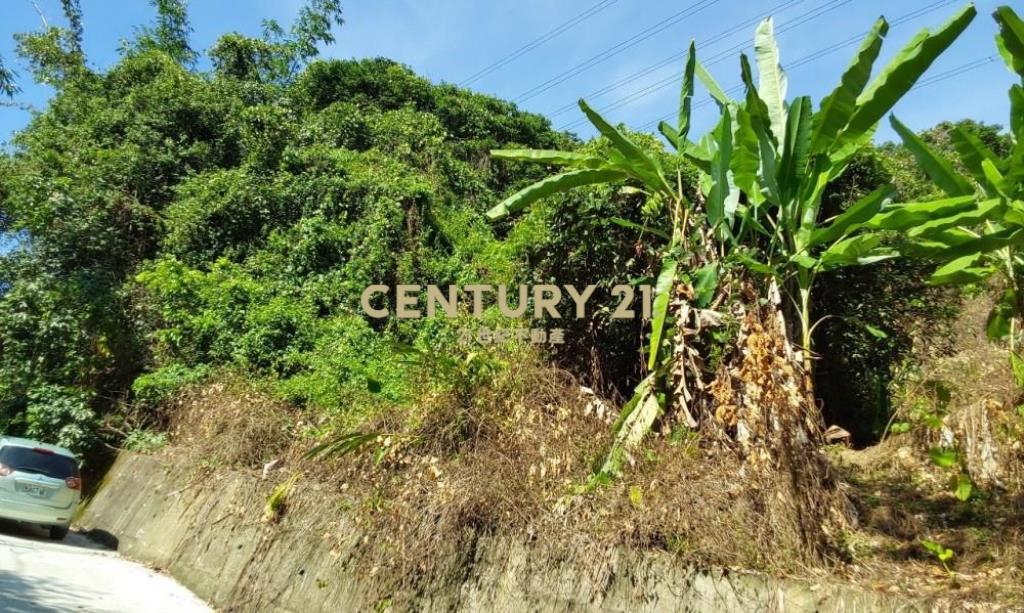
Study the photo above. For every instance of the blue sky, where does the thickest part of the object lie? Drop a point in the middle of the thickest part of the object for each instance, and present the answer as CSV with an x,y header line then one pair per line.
x,y
454,39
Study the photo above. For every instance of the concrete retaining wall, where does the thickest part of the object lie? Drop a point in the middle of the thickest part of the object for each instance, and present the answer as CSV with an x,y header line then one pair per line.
x,y
208,532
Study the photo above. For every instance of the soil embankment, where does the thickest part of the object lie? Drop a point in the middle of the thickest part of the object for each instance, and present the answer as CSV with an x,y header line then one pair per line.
x,y
210,532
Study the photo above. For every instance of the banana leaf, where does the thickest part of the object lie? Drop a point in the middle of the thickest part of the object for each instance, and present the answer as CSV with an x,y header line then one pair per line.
x,y
935,166
838,107
972,151
772,84
905,216
686,92
854,250
662,295
717,202
550,186
544,156
900,75
716,91
636,161
986,210
1010,38
854,217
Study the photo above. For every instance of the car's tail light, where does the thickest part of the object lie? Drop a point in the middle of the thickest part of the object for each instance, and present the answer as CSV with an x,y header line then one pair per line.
x,y
4,470
74,483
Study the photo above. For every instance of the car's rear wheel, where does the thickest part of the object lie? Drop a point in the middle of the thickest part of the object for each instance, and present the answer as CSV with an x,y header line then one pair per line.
x,y
58,533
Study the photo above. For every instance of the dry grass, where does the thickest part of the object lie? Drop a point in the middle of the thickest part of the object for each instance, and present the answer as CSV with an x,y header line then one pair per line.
x,y
903,498
506,462
227,424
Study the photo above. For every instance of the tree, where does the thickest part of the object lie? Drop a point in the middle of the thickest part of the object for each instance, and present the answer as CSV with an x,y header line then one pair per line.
x,y
279,55
978,229
764,168
170,34
8,86
751,233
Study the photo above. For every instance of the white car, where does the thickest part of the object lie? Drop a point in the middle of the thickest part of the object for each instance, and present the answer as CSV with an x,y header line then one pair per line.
x,y
39,484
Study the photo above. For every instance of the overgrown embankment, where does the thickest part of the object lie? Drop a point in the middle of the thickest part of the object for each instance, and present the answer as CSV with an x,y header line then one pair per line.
x,y
482,517
209,531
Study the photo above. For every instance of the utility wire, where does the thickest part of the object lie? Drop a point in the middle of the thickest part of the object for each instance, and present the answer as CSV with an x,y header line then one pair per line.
x,y
953,72
938,78
674,57
616,49
798,21
807,59
537,42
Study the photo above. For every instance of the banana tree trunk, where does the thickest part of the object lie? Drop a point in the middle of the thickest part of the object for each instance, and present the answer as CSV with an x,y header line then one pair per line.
x,y
760,405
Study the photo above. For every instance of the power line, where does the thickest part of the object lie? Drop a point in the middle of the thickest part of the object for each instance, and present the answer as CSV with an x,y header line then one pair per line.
x,y
938,78
953,72
798,21
540,40
807,59
616,49
674,57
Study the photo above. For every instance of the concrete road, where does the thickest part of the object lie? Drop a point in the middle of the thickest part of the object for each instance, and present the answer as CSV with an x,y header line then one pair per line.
x,y
38,575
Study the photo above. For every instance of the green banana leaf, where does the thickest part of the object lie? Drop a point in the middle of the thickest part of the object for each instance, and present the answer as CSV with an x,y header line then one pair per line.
x,y
795,151
545,156
1017,112
858,214
983,244
686,92
905,216
972,151
662,295
900,75
986,210
716,91
671,134
935,166
854,250
961,271
637,162
838,107
995,179
720,189
550,186
772,83
1010,38
755,106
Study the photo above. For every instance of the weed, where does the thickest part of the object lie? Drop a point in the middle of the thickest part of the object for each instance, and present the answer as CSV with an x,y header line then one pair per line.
x,y
278,500
941,553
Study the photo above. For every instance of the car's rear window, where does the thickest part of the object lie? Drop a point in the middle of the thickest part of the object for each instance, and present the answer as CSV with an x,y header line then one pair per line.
x,y
27,460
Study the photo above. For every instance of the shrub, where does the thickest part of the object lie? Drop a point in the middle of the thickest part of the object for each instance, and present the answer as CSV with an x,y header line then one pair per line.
x,y
152,389
60,415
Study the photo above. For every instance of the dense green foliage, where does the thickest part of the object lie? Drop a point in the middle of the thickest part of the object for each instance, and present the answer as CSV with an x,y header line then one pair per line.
x,y
756,224
981,238
172,221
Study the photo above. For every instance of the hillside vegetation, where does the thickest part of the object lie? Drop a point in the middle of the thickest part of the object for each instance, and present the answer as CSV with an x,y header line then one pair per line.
x,y
192,248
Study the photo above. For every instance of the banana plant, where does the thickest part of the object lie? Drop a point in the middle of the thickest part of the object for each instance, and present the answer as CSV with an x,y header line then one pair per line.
x,y
769,161
623,162
977,231
764,169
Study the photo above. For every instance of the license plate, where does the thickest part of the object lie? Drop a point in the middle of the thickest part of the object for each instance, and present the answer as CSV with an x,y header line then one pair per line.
x,y
34,491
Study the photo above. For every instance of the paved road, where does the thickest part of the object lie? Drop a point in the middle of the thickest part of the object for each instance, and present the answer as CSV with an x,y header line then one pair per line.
x,y
38,575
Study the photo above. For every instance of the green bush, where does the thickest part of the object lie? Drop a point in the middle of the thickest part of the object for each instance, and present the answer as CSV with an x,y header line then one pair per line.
x,y
161,385
60,415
